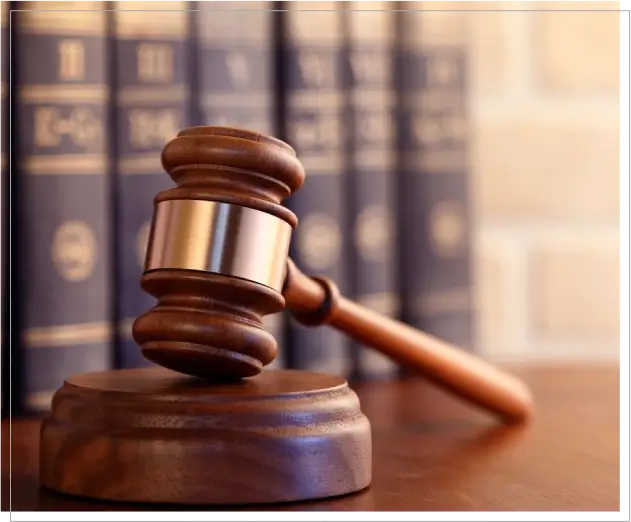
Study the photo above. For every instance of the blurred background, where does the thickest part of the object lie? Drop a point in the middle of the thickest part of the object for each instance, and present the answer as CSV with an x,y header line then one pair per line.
x,y
462,162
546,171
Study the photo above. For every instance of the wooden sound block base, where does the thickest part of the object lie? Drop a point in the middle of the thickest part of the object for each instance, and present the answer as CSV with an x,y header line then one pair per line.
x,y
153,435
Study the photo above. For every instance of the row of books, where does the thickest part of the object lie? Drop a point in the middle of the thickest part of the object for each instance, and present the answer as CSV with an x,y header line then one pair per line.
x,y
372,99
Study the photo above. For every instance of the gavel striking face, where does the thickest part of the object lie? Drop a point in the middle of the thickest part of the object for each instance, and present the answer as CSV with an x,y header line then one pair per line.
x,y
217,252
217,262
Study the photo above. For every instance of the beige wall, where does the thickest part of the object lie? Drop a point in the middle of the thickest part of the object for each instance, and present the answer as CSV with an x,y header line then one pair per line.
x,y
545,151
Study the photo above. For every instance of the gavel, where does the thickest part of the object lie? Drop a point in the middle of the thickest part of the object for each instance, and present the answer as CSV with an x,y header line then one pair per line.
x,y
217,261
208,425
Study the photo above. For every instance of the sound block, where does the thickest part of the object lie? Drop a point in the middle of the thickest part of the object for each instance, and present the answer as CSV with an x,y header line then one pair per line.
x,y
153,435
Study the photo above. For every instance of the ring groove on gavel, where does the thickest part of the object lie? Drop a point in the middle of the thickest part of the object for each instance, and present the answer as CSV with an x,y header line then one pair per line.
x,y
217,262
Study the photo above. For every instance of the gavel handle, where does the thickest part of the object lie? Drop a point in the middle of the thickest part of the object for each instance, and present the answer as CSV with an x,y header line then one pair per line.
x,y
315,301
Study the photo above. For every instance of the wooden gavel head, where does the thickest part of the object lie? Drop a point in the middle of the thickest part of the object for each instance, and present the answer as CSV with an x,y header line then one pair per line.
x,y
217,252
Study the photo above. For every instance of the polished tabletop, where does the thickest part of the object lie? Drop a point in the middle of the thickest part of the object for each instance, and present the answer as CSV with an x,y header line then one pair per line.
x,y
432,452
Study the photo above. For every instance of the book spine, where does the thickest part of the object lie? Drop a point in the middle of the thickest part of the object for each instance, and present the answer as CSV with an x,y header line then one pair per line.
x,y
236,83
311,71
152,106
4,162
370,34
435,205
64,283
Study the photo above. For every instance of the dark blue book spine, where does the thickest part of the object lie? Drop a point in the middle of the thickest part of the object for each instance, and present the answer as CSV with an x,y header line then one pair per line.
x,y
435,204
152,106
4,161
370,37
234,64
311,64
63,205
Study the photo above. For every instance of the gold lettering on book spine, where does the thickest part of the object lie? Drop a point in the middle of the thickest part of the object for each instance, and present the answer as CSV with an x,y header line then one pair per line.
x,y
447,232
71,60
67,334
319,241
152,127
82,126
155,62
74,251
373,233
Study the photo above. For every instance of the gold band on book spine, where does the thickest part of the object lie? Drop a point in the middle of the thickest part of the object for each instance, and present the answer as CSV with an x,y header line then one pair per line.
x,y
221,238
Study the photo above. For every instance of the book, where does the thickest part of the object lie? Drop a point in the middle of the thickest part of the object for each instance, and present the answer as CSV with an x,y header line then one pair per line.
x,y
435,213
150,79
371,156
235,83
63,273
310,72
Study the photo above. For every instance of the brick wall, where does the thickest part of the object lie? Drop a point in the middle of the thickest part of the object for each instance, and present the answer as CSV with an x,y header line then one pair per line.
x,y
545,151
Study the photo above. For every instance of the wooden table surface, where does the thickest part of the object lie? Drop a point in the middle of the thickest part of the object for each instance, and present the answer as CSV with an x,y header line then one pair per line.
x,y
434,453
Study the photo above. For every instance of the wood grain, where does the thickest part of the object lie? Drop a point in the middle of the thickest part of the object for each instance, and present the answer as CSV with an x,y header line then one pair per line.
x,y
152,435
432,453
